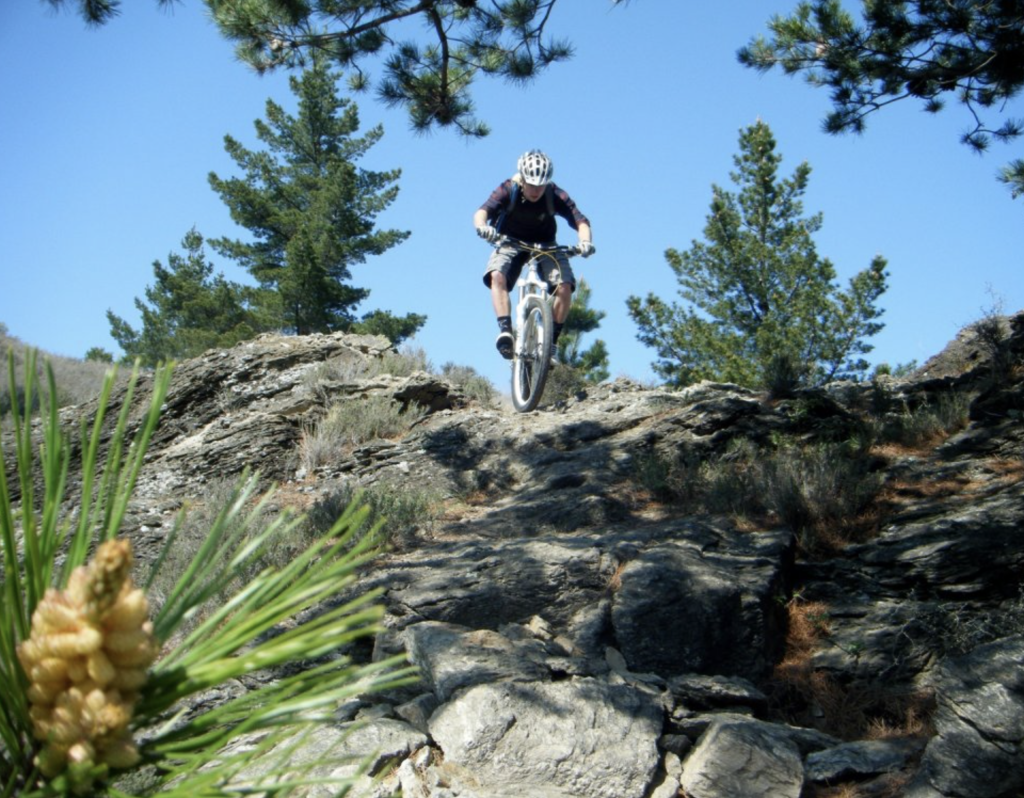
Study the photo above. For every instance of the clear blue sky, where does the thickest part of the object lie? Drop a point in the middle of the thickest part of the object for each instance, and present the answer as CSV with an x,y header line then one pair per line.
x,y
109,135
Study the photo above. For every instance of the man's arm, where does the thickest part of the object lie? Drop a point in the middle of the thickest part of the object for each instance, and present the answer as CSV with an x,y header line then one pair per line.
x,y
584,233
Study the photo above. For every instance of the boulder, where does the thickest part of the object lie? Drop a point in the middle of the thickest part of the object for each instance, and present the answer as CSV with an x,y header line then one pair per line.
x,y
577,738
979,743
743,757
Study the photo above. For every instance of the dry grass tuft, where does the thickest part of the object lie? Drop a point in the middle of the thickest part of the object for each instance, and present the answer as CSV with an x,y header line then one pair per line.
x,y
809,624
826,493
352,422
836,791
807,696
78,381
615,580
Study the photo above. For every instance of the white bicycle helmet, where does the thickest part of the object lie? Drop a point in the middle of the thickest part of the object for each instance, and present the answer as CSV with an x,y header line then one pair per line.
x,y
535,168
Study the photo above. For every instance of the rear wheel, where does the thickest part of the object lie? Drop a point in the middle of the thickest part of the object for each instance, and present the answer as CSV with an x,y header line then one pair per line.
x,y
532,355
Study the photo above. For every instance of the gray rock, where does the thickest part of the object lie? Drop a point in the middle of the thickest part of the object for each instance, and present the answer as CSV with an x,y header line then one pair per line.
x,y
979,749
354,752
699,691
743,757
707,608
806,741
859,760
451,658
487,584
934,554
417,711
579,737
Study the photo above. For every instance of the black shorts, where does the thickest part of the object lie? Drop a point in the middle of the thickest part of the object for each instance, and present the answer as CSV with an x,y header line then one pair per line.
x,y
508,260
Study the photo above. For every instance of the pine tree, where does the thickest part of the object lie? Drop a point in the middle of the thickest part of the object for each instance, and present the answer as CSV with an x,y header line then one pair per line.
x,y
927,50
311,210
431,78
98,12
592,362
762,303
395,328
189,310
97,354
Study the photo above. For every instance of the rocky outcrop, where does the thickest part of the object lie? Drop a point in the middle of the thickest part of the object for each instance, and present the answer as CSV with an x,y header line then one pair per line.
x,y
575,638
979,725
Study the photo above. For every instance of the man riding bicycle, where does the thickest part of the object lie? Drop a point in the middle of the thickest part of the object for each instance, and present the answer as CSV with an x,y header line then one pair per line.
x,y
525,207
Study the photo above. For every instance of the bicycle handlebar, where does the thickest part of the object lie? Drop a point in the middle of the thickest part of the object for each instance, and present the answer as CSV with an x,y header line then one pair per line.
x,y
569,250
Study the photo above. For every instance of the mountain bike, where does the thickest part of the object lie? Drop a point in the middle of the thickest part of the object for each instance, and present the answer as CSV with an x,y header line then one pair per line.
x,y
534,328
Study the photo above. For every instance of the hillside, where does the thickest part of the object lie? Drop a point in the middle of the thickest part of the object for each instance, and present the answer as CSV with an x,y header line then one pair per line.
x,y
654,593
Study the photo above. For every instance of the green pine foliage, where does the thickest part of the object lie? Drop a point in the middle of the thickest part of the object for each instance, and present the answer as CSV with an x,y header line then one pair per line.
x,y
430,77
760,302
188,310
311,211
97,354
98,12
927,50
396,329
593,361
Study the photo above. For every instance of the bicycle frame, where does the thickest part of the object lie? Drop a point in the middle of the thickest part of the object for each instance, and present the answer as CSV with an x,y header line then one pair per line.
x,y
530,283
533,331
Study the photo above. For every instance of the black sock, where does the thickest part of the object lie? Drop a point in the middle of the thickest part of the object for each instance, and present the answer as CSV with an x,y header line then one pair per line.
x,y
558,331
505,323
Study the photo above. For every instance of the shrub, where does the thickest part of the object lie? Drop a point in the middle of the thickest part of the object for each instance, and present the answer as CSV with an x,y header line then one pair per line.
x,y
564,382
926,424
955,628
396,511
899,371
473,385
353,367
679,480
353,422
408,360
822,492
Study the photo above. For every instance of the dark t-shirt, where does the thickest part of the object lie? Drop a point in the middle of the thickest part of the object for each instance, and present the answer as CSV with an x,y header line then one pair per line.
x,y
532,221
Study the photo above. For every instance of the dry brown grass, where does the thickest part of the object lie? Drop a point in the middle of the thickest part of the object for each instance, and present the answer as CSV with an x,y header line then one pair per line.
x,y
477,498
804,695
1009,471
809,624
987,476
77,381
891,785
914,712
615,580
835,791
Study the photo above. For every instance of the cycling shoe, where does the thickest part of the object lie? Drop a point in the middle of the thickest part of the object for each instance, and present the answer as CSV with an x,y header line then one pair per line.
x,y
504,344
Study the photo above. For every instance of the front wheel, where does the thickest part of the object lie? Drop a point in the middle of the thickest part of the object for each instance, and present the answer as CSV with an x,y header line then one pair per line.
x,y
532,355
